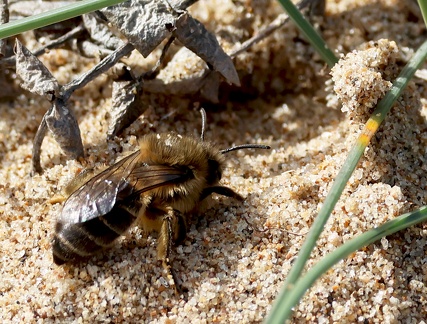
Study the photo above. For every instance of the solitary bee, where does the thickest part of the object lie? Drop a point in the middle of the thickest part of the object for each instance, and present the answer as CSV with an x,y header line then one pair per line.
x,y
159,187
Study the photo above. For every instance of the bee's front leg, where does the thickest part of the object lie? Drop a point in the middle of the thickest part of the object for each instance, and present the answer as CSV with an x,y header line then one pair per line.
x,y
171,230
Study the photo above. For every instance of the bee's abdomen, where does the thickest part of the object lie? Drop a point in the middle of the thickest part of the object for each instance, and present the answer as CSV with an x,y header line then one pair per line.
x,y
73,242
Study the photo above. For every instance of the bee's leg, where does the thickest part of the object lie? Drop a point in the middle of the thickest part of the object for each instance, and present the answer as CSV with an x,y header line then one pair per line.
x,y
220,190
169,232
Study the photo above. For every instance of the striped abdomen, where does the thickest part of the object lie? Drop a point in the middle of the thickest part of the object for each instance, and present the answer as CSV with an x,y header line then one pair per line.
x,y
73,242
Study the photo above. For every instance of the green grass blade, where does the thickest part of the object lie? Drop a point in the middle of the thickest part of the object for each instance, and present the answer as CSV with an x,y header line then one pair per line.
x,y
53,16
277,314
423,6
304,283
310,33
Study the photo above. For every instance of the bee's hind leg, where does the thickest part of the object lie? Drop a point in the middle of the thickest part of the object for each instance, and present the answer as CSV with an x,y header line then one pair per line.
x,y
172,230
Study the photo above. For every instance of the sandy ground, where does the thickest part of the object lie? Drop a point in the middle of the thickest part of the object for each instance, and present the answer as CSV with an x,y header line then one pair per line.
x,y
232,270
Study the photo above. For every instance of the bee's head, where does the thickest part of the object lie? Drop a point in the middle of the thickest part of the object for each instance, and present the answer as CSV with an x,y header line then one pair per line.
x,y
214,165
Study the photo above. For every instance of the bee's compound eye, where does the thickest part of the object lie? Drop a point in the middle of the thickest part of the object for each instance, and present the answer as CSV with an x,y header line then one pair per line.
x,y
219,174
214,174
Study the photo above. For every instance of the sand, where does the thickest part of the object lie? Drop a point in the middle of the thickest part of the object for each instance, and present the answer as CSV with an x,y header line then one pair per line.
x,y
233,270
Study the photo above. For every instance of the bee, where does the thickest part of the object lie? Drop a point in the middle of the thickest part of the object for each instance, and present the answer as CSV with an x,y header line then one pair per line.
x,y
157,187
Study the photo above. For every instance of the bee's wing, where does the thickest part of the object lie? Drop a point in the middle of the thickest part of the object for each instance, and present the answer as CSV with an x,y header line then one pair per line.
x,y
127,177
147,177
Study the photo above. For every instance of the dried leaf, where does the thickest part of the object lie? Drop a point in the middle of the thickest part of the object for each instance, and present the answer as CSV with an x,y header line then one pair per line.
x,y
193,35
91,50
99,68
145,23
65,129
29,8
210,88
126,106
100,32
194,78
37,144
36,77
180,5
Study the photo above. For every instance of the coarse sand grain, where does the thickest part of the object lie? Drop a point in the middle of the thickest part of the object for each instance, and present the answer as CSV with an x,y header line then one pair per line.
x,y
232,269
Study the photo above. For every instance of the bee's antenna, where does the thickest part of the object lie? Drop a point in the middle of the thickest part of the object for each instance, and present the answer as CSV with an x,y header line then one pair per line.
x,y
203,113
245,146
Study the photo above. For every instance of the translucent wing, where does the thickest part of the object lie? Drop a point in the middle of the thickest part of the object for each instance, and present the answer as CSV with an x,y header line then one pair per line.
x,y
127,178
